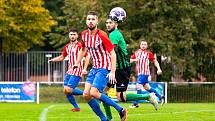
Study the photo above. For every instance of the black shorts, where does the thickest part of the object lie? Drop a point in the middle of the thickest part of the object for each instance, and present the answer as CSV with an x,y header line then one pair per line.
x,y
122,78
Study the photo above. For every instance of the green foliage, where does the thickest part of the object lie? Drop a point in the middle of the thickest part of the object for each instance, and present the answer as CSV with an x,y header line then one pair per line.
x,y
22,24
180,29
183,30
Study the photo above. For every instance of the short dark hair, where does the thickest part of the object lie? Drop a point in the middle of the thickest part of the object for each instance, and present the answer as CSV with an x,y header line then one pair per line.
x,y
73,30
143,40
92,13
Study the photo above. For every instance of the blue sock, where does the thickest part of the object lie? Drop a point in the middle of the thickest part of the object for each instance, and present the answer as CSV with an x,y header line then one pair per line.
x,y
96,108
71,99
135,102
139,91
77,92
156,93
105,99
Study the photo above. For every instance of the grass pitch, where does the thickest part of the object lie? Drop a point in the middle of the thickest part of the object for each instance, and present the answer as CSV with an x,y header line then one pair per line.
x,y
61,112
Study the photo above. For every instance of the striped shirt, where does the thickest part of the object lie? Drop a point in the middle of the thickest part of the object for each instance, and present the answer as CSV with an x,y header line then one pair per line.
x,y
142,65
72,52
99,47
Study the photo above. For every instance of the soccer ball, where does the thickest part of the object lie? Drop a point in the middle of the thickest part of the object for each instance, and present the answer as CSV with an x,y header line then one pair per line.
x,y
117,14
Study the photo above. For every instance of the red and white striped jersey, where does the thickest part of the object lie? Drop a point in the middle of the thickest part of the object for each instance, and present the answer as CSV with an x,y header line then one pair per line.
x,y
99,47
142,65
72,52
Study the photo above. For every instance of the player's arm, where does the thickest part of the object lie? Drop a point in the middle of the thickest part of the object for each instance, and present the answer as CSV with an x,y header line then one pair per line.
x,y
81,54
58,58
86,63
133,58
113,67
157,65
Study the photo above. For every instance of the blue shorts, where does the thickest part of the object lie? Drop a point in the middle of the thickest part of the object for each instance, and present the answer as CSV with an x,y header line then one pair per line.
x,y
143,79
98,79
71,81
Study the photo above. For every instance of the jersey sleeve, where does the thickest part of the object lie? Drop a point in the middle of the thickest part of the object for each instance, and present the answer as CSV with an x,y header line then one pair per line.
x,y
106,41
151,56
133,56
64,52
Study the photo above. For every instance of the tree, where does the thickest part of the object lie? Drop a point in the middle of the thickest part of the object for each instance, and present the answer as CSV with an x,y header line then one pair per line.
x,y
180,29
183,30
22,24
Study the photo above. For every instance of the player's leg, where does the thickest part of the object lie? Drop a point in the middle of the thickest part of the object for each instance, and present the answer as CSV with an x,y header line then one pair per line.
x,y
139,91
123,78
67,92
92,102
143,80
135,104
152,90
106,106
71,90
73,83
99,84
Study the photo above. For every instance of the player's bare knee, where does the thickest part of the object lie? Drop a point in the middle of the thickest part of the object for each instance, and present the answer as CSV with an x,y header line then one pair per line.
x,y
67,90
94,92
86,96
147,88
139,86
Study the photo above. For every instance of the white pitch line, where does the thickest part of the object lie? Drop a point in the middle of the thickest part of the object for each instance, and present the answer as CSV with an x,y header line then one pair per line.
x,y
194,111
44,112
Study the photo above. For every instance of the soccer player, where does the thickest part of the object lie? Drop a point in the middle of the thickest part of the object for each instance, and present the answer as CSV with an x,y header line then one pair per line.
x,y
101,50
142,57
139,91
123,69
72,76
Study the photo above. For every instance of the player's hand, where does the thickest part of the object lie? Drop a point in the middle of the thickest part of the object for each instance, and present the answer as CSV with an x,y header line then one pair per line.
x,y
75,66
159,72
49,60
111,77
84,72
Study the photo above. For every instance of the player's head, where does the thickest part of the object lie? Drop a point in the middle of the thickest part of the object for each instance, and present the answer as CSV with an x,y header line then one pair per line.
x,y
143,45
73,34
92,20
110,25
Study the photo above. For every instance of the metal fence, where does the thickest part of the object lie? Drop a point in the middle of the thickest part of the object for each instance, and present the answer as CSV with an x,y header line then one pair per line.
x,y
31,66
34,67
184,92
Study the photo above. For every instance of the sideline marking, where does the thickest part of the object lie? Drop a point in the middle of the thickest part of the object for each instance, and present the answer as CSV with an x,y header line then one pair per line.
x,y
179,112
44,112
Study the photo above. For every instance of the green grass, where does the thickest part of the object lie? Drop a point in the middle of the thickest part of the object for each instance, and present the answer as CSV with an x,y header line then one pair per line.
x,y
61,112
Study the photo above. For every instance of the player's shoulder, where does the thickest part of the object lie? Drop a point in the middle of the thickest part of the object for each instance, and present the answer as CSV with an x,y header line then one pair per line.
x,y
84,32
79,44
66,46
102,32
148,51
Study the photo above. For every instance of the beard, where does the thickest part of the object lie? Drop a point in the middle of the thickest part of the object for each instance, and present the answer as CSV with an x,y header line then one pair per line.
x,y
73,40
92,28
111,30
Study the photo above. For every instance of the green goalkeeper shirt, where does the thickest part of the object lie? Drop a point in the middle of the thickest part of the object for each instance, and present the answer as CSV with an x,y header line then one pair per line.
x,y
121,49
